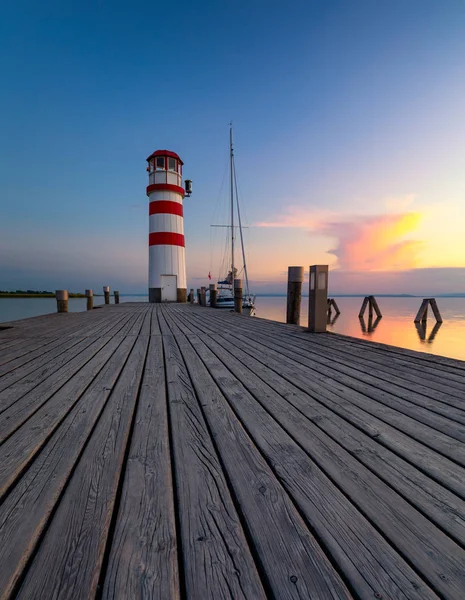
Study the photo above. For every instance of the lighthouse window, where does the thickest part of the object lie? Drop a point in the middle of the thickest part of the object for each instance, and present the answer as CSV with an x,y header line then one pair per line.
x,y
179,168
171,164
160,162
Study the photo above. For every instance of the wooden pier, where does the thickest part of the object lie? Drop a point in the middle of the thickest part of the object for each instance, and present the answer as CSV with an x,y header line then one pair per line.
x,y
175,451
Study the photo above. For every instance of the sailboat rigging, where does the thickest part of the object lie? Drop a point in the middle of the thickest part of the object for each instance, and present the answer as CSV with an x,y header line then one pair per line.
x,y
225,297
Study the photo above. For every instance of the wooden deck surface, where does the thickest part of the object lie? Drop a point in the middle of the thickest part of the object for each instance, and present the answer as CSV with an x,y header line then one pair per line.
x,y
174,451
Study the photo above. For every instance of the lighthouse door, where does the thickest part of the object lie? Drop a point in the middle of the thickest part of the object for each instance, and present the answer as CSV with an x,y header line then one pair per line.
x,y
168,288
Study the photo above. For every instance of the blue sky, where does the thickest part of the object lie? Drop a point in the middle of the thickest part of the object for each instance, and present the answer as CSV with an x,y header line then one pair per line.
x,y
348,116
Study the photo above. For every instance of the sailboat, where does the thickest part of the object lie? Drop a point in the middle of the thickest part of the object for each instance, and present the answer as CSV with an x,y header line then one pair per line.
x,y
225,286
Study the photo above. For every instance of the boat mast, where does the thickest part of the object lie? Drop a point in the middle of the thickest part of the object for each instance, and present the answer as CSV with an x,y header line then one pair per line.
x,y
231,154
242,235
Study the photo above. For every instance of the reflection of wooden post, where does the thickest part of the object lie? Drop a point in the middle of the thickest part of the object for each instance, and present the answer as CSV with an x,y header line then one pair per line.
x,y
90,299
295,277
213,295
106,293
238,295
422,314
116,294
62,300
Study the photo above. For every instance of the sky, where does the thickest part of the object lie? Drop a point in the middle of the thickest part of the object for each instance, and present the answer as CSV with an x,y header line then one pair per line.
x,y
349,134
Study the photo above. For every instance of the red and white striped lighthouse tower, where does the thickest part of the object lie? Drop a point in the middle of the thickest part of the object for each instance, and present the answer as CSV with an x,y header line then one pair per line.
x,y
167,259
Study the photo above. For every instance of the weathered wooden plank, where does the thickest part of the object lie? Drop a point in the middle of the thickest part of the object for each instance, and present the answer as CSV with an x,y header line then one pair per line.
x,y
440,505
19,402
25,512
409,371
426,547
360,392
20,448
68,561
373,568
449,474
142,560
217,560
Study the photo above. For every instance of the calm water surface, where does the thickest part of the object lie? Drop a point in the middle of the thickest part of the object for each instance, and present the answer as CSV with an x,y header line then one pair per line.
x,y
396,327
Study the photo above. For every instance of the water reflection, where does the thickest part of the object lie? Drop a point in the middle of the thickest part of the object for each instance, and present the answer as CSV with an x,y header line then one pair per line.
x,y
395,328
330,320
372,325
421,330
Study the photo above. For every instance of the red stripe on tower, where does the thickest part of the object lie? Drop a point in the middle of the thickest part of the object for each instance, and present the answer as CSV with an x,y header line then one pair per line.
x,y
167,187
165,207
164,237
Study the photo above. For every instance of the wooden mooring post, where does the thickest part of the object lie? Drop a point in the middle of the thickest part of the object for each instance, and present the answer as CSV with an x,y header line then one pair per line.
x,y
203,296
90,299
213,295
318,299
422,314
62,300
106,293
370,301
191,296
238,295
295,278
116,295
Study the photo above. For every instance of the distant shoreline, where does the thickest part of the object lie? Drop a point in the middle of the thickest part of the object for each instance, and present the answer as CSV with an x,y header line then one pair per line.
x,y
15,295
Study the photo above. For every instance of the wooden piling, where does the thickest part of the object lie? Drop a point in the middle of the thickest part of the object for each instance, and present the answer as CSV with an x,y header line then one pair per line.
x,y
318,298
372,304
116,294
62,300
422,314
106,293
295,278
203,296
238,295
90,299
191,296
198,297
213,295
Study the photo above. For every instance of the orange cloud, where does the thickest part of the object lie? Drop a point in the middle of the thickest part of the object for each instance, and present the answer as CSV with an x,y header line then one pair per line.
x,y
375,243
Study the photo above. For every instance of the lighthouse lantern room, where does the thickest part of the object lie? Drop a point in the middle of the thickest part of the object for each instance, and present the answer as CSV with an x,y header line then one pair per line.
x,y
167,259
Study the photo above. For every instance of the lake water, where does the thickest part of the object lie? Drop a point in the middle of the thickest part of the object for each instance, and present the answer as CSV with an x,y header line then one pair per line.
x,y
396,327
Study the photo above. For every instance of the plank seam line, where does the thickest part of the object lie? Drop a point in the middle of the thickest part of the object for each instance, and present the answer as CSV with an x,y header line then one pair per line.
x,y
174,483
122,474
43,533
247,535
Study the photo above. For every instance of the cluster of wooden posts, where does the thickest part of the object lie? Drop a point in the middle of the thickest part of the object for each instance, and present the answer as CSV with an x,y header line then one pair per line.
x,y
213,293
321,307
62,297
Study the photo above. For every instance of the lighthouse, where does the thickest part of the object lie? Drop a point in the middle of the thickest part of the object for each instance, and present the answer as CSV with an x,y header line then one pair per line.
x,y
167,255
